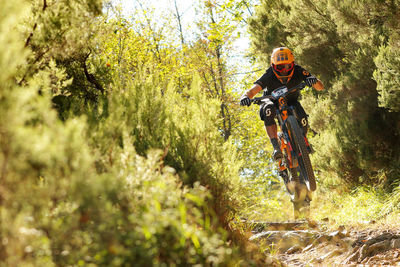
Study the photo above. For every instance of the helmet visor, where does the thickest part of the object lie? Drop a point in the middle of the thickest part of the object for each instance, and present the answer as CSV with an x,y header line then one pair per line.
x,y
283,67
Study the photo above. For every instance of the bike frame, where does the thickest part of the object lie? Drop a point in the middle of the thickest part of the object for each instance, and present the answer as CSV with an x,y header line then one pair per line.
x,y
299,179
283,111
282,115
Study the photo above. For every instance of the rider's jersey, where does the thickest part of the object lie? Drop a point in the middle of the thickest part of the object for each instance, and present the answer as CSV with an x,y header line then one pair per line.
x,y
269,82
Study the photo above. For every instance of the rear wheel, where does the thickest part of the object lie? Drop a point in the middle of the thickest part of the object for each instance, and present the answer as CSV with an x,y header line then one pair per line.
x,y
304,159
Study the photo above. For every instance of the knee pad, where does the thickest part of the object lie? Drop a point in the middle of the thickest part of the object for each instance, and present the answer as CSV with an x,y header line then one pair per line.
x,y
267,113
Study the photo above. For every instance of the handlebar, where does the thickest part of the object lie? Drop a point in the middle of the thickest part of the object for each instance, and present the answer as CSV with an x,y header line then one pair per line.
x,y
258,100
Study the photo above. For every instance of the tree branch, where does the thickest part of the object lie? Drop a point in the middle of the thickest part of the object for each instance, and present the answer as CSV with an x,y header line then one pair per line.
x,y
241,73
247,6
233,14
226,119
152,31
178,17
35,26
90,77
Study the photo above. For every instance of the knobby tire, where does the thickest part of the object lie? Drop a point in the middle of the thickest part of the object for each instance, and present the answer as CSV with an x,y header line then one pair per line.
x,y
301,144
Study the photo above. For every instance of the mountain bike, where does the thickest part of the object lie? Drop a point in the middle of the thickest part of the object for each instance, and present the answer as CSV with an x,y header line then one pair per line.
x,y
295,167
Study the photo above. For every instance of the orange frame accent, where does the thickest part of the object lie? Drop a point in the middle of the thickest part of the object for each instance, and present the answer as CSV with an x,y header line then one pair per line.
x,y
284,116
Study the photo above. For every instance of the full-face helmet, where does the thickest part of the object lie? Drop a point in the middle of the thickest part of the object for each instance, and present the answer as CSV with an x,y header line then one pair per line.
x,y
282,62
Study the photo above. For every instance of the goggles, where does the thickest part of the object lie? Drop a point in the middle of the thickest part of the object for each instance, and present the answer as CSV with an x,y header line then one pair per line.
x,y
283,67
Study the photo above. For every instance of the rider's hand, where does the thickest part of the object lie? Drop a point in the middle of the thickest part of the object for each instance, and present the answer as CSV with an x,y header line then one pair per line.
x,y
245,101
310,81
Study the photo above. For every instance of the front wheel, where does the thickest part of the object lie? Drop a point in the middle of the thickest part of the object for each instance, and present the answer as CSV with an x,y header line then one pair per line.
x,y
301,209
301,150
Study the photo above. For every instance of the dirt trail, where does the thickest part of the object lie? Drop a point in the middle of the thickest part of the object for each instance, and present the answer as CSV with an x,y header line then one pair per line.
x,y
308,244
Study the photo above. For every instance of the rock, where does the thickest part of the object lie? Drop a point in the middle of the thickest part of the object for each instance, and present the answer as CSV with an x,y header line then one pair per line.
x,y
258,226
294,249
321,239
270,236
343,243
335,233
308,248
294,238
312,224
317,260
395,243
363,253
396,255
345,233
349,241
290,239
331,254
373,249
379,247
336,236
379,238
364,262
353,257
269,261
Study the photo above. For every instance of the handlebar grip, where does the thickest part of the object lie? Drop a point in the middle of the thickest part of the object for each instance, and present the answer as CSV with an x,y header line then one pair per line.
x,y
257,100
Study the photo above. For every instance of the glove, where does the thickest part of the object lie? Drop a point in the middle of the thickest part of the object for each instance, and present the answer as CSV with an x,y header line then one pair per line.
x,y
245,101
310,81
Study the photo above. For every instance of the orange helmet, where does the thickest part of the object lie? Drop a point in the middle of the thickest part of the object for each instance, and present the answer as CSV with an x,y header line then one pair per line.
x,y
282,62
282,55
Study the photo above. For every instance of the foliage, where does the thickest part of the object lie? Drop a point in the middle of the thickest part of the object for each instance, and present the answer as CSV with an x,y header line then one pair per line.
x,y
267,201
348,208
387,76
392,202
120,147
51,29
122,179
344,46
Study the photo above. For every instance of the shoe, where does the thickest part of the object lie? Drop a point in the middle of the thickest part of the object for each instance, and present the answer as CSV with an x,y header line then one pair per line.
x,y
277,154
284,175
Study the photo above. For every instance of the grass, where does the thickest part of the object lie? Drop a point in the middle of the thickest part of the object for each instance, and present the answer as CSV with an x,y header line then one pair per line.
x,y
333,202
348,207
270,204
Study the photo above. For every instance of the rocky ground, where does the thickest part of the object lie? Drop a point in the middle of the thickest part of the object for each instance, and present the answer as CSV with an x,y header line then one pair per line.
x,y
309,244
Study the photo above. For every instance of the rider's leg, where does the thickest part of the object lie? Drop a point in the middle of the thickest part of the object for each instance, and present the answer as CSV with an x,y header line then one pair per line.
x,y
267,114
272,131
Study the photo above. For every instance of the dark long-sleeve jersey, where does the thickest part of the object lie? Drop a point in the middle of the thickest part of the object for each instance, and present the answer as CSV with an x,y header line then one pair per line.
x,y
269,82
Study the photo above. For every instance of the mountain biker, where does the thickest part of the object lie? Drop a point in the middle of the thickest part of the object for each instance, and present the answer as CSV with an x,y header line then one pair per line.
x,y
282,72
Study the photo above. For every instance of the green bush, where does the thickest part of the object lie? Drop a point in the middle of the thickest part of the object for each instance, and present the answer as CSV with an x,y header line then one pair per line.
x,y
387,76
144,178
354,52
